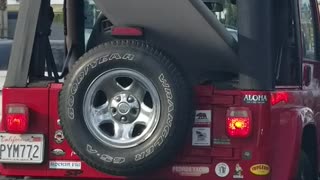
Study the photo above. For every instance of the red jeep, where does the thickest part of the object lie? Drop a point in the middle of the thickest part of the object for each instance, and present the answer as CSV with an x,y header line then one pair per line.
x,y
165,90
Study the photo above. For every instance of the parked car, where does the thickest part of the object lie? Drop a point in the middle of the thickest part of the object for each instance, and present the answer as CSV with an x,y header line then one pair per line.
x,y
5,49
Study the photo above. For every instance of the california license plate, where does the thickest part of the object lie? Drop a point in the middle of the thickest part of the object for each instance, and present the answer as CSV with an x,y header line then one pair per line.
x,y
23,149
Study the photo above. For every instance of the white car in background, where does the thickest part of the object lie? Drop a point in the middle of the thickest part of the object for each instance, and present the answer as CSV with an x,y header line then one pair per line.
x,y
5,49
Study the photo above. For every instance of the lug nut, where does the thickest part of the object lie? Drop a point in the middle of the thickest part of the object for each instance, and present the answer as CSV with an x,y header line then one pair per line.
x,y
130,99
123,119
118,98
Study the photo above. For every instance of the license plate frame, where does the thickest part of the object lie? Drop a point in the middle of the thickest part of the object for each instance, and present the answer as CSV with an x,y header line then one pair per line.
x,y
35,143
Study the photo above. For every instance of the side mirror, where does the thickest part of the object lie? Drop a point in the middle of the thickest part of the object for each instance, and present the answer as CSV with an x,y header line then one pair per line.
x,y
215,5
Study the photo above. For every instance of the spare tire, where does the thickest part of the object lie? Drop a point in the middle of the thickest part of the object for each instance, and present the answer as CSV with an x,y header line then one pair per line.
x,y
125,108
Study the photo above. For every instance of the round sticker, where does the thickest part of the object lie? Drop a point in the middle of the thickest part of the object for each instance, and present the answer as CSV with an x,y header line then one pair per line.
x,y
222,169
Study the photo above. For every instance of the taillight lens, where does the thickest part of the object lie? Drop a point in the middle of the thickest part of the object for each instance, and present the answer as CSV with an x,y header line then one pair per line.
x,y
238,122
126,31
17,119
279,97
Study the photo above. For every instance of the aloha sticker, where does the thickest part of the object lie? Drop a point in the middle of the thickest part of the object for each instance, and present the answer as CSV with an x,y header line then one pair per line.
x,y
238,172
255,99
260,169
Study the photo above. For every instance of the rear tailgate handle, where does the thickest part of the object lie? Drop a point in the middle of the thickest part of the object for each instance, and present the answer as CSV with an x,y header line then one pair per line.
x,y
307,74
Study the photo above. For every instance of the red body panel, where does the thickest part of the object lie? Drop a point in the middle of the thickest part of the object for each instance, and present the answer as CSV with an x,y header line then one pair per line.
x,y
36,100
284,152
287,124
272,142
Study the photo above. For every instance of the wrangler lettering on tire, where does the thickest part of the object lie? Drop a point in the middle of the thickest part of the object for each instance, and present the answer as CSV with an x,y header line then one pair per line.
x,y
125,108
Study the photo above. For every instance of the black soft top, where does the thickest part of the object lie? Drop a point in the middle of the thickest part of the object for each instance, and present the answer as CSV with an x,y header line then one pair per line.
x,y
186,29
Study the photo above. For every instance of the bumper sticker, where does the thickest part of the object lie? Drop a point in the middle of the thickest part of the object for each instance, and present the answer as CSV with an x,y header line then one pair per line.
x,y
260,169
75,165
203,117
238,172
222,169
190,170
201,136
255,99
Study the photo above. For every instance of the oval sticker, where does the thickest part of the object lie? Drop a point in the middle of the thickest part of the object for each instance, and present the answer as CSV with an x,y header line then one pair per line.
x,y
260,169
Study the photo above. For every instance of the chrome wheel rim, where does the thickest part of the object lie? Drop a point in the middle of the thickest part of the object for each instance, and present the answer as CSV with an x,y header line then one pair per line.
x,y
121,108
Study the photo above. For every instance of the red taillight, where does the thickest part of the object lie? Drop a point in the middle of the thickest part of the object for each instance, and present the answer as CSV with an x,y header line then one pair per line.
x,y
278,97
16,118
126,31
239,122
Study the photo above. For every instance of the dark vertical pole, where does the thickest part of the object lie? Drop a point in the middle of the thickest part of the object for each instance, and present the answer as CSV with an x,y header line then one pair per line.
x,y
37,66
75,28
3,19
255,44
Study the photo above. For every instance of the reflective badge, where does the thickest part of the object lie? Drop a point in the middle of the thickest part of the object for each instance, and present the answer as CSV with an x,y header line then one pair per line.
x,y
260,169
238,172
59,137
222,169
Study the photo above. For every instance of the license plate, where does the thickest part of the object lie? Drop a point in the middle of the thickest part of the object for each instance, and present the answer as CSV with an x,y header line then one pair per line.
x,y
23,149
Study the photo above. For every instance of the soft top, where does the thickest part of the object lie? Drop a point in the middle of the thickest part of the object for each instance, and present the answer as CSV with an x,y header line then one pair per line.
x,y
187,29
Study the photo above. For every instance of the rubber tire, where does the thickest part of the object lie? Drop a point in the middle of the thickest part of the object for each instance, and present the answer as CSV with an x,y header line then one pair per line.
x,y
305,168
151,154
